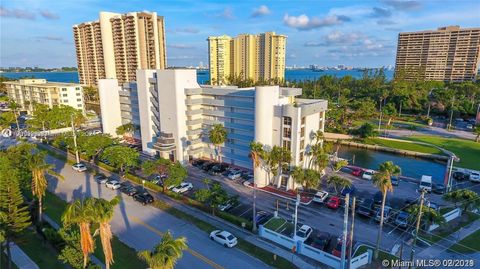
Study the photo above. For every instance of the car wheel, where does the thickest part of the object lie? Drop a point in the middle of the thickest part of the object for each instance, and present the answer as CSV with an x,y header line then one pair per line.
x,y
143,203
211,237
225,245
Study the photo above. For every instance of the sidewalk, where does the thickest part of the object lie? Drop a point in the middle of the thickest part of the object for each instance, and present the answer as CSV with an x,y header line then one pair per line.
x,y
20,259
436,250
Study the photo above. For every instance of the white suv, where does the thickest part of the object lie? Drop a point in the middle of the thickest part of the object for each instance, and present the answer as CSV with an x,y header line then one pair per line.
x,y
183,187
304,232
223,237
79,167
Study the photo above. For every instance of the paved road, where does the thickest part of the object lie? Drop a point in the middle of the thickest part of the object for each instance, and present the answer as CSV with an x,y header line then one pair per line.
x,y
141,227
434,131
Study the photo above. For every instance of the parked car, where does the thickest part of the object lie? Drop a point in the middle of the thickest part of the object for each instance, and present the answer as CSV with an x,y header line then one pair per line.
x,y
387,212
262,217
113,184
321,240
183,187
337,251
469,126
223,237
228,205
431,205
474,177
130,190
460,176
198,163
208,165
79,167
234,174
395,180
218,169
320,196
425,183
366,207
101,178
377,197
368,174
144,198
357,172
348,190
247,183
439,188
304,232
402,219
247,175
333,202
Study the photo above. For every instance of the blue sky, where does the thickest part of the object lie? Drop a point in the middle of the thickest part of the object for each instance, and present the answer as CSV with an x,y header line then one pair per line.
x,y
327,33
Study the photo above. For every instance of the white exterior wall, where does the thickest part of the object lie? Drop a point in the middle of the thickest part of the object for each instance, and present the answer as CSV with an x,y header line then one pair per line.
x,y
107,43
72,99
145,109
171,86
109,106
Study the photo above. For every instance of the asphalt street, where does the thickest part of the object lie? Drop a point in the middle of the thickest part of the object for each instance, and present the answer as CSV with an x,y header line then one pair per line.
x,y
141,227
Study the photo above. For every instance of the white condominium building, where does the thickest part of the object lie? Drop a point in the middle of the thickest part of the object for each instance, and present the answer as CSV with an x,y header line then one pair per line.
x,y
27,92
176,114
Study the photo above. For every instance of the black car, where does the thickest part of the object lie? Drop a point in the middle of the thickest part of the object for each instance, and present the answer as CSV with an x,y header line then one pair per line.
x,y
261,217
143,198
321,240
365,208
439,188
207,166
198,163
218,169
460,176
377,198
395,181
130,190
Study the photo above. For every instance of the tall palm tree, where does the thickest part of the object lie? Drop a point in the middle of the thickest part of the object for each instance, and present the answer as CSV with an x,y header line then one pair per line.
x,y
40,168
218,135
338,182
102,214
382,180
79,212
14,107
166,254
256,150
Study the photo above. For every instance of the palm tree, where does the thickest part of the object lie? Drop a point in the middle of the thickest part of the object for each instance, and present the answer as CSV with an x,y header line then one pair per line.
x,y
79,212
338,182
218,135
39,168
477,132
102,214
382,180
256,150
14,107
166,254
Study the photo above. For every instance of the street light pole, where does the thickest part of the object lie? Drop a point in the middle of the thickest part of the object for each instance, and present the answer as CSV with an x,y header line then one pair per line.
x,y
381,112
77,158
350,245
297,203
254,225
419,217
344,235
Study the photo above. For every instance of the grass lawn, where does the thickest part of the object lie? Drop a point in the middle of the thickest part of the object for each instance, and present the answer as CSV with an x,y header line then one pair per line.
x,y
468,244
43,255
274,224
124,256
467,150
382,255
403,146
447,230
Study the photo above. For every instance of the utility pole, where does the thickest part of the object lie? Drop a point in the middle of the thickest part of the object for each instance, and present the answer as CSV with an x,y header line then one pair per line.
x,y
451,115
254,226
77,158
380,120
344,235
401,256
297,203
350,245
419,217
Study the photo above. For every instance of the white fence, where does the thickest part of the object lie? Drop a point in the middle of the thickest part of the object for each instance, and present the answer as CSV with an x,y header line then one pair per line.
x,y
311,252
457,212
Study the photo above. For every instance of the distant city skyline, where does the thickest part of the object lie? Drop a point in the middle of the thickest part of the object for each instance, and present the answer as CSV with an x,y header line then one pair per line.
x,y
352,33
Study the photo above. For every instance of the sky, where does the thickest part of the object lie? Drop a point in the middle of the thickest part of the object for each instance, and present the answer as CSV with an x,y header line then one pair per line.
x,y
324,32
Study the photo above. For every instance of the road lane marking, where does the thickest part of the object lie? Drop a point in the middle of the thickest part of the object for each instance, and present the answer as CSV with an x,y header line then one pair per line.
x,y
189,250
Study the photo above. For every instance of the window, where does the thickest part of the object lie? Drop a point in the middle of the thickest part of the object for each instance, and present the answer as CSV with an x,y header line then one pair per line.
x,y
303,120
287,132
79,105
65,100
287,121
65,95
77,88
302,144
287,144
64,89
79,94
301,156
302,132
79,100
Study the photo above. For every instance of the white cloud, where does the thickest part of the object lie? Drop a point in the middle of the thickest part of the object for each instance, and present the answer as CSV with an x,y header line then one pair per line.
x,y
180,46
262,10
303,22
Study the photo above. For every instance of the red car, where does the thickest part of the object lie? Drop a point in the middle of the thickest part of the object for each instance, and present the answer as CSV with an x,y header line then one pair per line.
x,y
333,202
357,172
337,251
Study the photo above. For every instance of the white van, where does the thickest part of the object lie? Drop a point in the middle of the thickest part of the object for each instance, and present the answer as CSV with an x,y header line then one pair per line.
x,y
426,183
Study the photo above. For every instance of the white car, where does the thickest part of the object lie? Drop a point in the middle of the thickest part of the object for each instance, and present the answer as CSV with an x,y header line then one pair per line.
x,y
304,232
320,196
183,187
368,174
223,237
79,167
248,183
113,184
234,174
469,126
474,177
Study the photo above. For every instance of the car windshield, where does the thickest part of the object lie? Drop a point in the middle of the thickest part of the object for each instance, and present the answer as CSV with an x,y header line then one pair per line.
x,y
230,237
424,184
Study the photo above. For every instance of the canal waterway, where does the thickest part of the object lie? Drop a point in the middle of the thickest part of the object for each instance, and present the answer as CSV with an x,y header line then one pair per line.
x,y
411,167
